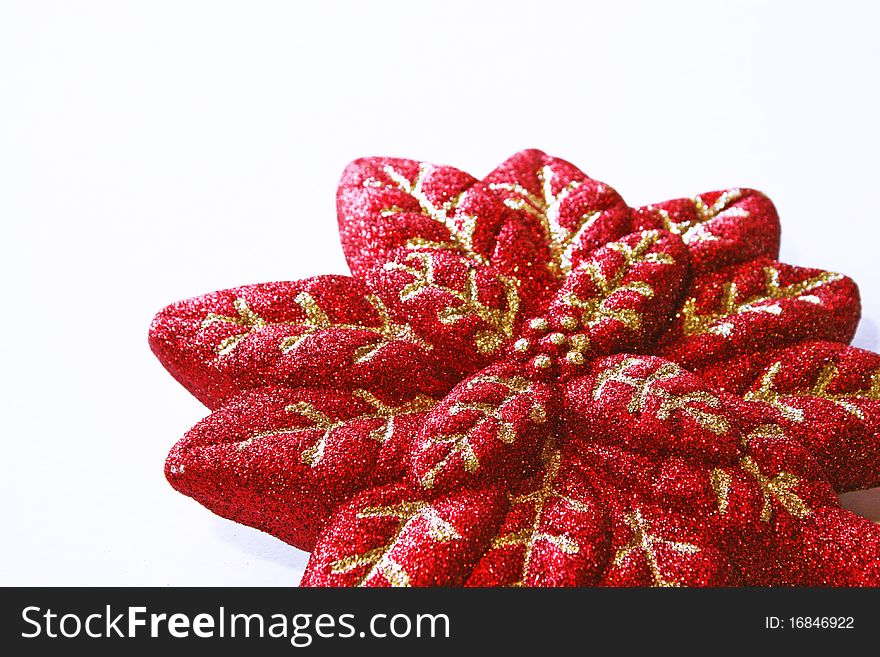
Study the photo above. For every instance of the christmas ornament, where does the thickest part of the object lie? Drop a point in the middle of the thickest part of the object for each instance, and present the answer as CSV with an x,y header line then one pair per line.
x,y
527,382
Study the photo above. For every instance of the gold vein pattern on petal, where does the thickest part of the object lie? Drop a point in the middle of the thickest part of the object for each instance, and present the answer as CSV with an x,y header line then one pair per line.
x,y
461,227
733,303
645,387
322,422
644,542
595,310
695,231
315,321
529,537
768,393
500,321
460,443
380,560
545,207
779,488
246,318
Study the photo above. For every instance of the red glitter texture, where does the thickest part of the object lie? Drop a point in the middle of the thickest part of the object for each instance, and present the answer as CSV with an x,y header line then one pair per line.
x,y
526,382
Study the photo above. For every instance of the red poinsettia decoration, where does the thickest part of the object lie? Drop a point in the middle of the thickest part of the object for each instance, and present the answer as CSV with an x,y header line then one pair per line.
x,y
527,382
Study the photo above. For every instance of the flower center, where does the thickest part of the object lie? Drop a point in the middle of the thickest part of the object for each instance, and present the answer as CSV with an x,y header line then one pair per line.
x,y
553,346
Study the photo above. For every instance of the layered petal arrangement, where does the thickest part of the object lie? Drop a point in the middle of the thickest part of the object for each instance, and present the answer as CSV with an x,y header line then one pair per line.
x,y
526,382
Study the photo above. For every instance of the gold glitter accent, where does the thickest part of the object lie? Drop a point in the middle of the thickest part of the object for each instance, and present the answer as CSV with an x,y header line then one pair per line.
x,y
692,231
669,402
383,433
501,322
316,320
720,482
644,541
732,304
529,537
459,443
538,414
768,431
315,453
379,559
461,232
720,206
245,317
542,362
767,392
575,357
579,342
322,422
522,345
539,324
545,206
596,309
779,488
556,338
569,322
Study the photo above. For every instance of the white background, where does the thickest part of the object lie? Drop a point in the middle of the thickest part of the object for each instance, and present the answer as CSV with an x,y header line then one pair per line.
x,y
154,151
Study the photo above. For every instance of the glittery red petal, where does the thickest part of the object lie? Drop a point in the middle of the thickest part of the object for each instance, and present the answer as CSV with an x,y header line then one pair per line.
x,y
719,228
321,331
834,547
488,428
555,532
825,394
391,536
386,203
758,305
649,405
557,214
624,293
771,497
465,311
652,547
282,459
